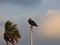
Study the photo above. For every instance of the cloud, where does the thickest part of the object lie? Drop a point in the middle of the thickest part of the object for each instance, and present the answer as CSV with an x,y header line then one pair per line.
x,y
22,2
50,24
49,0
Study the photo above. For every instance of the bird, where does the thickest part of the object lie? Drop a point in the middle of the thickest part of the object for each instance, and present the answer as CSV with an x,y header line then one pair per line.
x,y
32,23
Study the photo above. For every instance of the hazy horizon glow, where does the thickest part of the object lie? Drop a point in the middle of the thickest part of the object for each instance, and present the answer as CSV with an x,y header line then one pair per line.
x,y
50,24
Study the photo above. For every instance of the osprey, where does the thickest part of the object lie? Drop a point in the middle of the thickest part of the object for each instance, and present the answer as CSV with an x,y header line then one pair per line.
x,y
32,23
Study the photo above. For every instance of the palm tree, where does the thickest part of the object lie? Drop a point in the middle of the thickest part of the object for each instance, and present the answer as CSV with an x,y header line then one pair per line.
x,y
12,32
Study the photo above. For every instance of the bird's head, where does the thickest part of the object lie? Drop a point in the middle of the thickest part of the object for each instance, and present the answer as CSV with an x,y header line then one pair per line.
x,y
29,18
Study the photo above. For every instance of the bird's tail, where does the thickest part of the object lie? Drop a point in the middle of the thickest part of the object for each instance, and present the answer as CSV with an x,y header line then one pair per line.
x,y
37,26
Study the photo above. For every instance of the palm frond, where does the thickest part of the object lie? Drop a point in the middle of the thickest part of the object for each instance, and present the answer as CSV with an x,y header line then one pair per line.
x,y
16,33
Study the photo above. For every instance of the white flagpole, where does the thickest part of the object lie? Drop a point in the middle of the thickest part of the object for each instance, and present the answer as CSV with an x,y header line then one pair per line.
x,y
31,36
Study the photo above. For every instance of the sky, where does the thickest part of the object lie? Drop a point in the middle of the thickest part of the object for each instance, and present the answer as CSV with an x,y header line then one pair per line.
x,y
46,13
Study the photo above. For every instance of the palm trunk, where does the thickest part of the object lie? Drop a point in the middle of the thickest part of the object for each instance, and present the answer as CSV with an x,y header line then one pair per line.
x,y
6,42
13,42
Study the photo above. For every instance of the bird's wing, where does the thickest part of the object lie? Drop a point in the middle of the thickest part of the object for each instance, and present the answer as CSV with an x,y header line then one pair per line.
x,y
33,23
